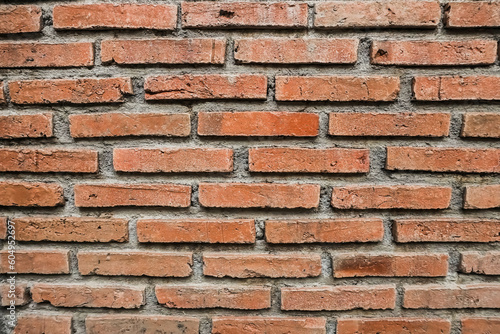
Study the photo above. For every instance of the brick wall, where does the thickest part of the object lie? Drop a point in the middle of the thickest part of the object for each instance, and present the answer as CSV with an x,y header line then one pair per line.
x,y
251,167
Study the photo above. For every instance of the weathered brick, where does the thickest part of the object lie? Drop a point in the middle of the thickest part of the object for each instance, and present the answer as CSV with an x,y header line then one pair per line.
x,y
30,194
46,55
2,93
485,125
391,197
112,195
487,263
259,195
336,88
36,262
307,160
172,160
261,265
296,51
269,325
206,87
77,91
115,16
472,14
122,124
40,323
164,51
393,325
258,123
449,88
115,324
234,231
17,292
485,325
338,298
3,228
20,19
404,124
482,197
26,126
206,296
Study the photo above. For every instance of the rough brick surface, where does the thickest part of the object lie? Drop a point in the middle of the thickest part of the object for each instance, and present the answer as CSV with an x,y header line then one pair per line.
x,y
485,125
32,323
472,14
482,197
299,325
450,88
20,19
394,325
30,194
18,293
26,126
478,263
480,325
99,324
36,262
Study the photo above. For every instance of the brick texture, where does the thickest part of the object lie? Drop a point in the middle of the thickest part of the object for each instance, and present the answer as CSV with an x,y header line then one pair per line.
x,y
482,197
20,19
97,324
472,14
478,263
36,262
26,126
43,324
394,325
30,194
234,325
451,88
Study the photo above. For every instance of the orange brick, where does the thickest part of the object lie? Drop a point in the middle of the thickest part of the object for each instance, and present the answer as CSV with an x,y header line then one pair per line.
x,y
26,126
14,292
39,323
36,262
394,325
3,228
30,194
472,14
449,88
99,324
487,263
480,325
20,19
270,325
485,125
482,197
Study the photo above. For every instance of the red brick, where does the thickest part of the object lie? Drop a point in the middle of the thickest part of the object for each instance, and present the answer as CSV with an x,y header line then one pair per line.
x,y
390,265
377,14
172,160
449,88
71,229
259,195
485,125
454,297
391,197
112,195
472,14
30,194
26,126
482,197
17,293
446,230
114,324
36,262
487,263
18,19
307,160
84,295
336,88
444,159
296,51
244,15
426,53
206,87
164,51
405,124
261,265
46,55
393,325
269,325
2,93
324,231
338,298
39,323
3,228
122,124
132,263
115,16
488,325
77,91
206,296
225,231
258,123
48,160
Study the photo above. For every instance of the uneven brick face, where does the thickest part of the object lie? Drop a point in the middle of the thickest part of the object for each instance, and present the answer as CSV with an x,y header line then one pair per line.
x,y
456,88
485,125
446,230
425,53
135,264
48,160
338,298
296,51
33,323
391,197
270,325
30,194
261,265
259,195
79,91
240,231
244,15
122,124
19,290
36,262
164,51
443,159
461,296
3,228
112,195
482,197
71,229
305,160
377,14
336,88
19,19
171,160
75,295
2,93
472,14
193,297
480,325
115,16
46,55
256,123
141,324
394,325
388,265
26,126
487,263
206,87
